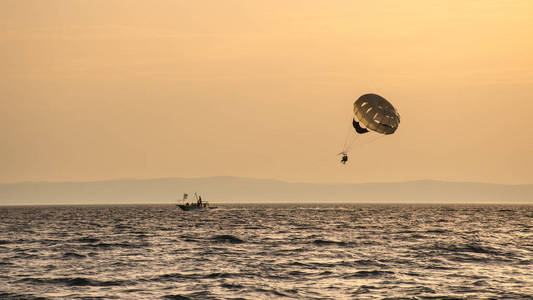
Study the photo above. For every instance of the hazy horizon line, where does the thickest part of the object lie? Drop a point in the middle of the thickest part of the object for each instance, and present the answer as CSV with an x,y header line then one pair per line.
x,y
257,178
276,203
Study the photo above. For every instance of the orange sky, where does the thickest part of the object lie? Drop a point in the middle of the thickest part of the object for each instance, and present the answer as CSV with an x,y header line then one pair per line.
x,y
95,90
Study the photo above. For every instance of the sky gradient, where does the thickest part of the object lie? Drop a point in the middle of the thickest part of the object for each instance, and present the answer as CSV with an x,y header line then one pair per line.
x,y
95,90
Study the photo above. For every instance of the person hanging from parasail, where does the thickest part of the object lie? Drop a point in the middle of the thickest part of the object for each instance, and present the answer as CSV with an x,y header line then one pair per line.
x,y
344,158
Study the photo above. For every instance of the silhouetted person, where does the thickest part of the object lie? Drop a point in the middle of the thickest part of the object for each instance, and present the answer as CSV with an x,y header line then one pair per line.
x,y
344,159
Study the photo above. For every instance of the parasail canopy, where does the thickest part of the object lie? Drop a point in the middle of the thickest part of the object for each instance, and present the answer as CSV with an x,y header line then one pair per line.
x,y
375,113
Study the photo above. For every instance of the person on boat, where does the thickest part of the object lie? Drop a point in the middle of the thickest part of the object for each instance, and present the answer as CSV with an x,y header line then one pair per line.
x,y
200,201
344,158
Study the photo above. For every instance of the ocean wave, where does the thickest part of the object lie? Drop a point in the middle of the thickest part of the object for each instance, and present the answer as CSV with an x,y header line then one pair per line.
x,y
225,238
22,254
105,246
195,295
15,296
321,242
86,240
74,281
73,255
369,274
368,262
176,297
439,231
272,292
232,286
365,289
171,277
473,248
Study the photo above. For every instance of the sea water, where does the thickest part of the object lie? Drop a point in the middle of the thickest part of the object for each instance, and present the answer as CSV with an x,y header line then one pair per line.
x,y
292,251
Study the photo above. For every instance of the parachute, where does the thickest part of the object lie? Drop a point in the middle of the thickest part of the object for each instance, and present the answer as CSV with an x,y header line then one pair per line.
x,y
376,114
373,113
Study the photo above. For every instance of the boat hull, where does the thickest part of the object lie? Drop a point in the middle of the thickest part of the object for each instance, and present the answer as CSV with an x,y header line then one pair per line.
x,y
190,207
194,207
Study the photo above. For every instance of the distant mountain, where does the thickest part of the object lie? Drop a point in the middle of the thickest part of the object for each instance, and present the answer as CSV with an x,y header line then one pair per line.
x,y
241,190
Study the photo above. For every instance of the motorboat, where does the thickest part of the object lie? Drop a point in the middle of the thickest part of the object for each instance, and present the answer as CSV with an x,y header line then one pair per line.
x,y
198,205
